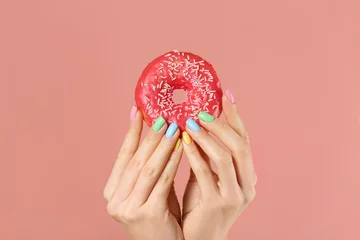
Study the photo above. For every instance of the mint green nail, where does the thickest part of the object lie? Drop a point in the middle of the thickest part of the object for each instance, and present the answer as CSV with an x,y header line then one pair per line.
x,y
158,124
206,117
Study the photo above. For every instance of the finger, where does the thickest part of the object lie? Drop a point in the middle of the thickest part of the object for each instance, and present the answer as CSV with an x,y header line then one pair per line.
x,y
222,159
164,184
201,169
232,116
146,149
127,150
242,154
206,159
155,165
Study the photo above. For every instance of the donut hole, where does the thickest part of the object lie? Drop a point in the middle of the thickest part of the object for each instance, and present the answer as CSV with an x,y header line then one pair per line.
x,y
179,96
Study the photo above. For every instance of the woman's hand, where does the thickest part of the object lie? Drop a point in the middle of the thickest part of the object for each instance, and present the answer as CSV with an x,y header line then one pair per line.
x,y
140,191
212,202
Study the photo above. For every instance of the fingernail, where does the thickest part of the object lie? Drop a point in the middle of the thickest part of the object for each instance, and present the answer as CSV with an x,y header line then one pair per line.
x,y
158,124
229,96
206,117
133,113
186,137
177,145
171,130
192,125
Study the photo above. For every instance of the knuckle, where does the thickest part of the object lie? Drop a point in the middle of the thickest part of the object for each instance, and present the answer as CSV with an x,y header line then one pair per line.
x,y
135,163
250,196
193,152
127,150
222,125
246,137
225,158
149,171
128,216
165,179
236,202
106,194
112,209
150,139
204,170
244,148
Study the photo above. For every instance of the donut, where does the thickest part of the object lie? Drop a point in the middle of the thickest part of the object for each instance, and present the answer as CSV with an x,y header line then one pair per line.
x,y
178,70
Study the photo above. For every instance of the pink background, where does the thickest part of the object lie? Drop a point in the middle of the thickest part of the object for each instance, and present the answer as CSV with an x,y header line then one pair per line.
x,y
68,69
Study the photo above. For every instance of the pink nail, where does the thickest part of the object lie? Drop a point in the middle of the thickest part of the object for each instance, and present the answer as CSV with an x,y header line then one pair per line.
x,y
230,97
133,113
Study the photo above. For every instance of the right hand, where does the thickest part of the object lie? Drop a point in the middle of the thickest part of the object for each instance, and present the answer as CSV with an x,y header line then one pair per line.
x,y
140,190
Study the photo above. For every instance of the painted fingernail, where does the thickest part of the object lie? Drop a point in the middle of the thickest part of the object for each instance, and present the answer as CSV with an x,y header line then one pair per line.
x,y
171,130
133,113
158,124
186,137
177,145
204,116
229,96
192,125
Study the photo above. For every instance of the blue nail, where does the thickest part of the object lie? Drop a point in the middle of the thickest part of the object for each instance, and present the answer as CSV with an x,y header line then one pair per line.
x,y
171,130
192,125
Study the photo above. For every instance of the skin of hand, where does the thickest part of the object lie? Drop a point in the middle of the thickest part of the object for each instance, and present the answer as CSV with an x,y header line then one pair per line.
x,y
140,190
212,202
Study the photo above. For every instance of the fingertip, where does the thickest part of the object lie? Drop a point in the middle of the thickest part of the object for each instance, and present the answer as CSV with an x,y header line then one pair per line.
x,y
177,144
186,138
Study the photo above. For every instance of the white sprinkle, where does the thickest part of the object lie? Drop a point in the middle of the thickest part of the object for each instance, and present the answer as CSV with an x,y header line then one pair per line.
x,y
147,99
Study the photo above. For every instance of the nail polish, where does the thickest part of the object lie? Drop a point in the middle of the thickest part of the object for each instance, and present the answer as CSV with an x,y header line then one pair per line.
x,y
230,97
204,116
177,145
133,113
158,124
186,137
192,125
171,130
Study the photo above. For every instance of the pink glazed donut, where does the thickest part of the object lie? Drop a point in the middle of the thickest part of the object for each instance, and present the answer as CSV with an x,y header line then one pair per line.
x,y
178,70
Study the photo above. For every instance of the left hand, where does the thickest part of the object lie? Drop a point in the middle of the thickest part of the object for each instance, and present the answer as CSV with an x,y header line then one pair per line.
x,y
212,202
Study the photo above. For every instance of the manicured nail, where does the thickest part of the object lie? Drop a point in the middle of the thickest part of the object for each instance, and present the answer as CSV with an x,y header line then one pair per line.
x,y
171,130
158,124
177,145
230,97
192,125
186,137
206,117
133,113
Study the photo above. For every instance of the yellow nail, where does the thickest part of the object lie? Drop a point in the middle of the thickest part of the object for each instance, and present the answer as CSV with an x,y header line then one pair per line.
x,y
186,137
177,145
